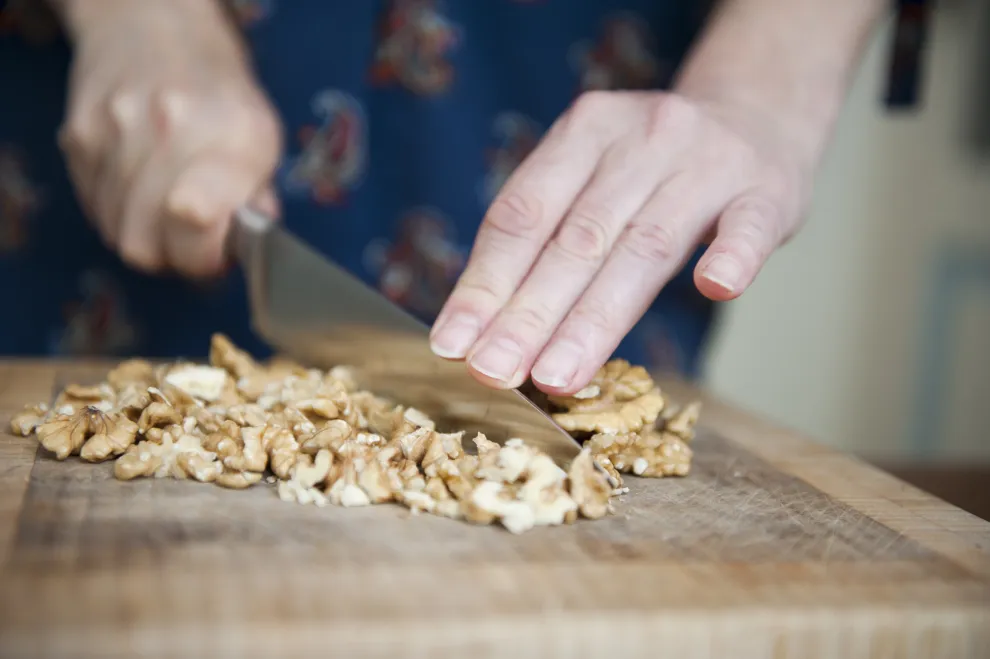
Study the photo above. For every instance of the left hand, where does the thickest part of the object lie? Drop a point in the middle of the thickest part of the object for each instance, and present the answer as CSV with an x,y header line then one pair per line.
x,y
603,213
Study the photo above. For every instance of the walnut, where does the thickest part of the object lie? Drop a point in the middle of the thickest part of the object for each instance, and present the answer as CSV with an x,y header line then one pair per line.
x,y
508,464
373,480
75,396
344,377
345,490
247,415
282,449
132,401
71,434
332,436
200,382
440,448
27,420
180,458
651,453
238,480
306,477
588,486
131,374
223,354
158,415
112,434
681,421
249,452
545,491
620,398
492,500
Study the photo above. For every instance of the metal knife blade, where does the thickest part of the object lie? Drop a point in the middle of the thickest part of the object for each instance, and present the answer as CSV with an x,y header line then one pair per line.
x,y
318,313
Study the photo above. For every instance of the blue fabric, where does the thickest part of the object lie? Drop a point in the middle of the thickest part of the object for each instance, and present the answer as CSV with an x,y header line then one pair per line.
x,y
402,117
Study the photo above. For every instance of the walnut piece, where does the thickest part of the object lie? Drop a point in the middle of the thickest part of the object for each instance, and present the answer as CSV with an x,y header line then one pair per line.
x,y
91,433
320,440
620,399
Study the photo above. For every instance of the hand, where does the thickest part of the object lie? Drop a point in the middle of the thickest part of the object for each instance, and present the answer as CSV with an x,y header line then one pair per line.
x,y
597,220
166,132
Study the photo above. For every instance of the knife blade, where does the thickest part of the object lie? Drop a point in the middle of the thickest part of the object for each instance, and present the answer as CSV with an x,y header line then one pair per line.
x,y
311,309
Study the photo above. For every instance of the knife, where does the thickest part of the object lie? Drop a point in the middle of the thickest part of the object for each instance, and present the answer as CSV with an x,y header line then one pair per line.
x,y
313,310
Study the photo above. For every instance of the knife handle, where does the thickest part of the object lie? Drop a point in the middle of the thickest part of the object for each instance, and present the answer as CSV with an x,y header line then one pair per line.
x,y
246,235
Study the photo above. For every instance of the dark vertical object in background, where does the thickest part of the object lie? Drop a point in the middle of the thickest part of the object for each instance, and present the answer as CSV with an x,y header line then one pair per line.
x,y
904,74
977,130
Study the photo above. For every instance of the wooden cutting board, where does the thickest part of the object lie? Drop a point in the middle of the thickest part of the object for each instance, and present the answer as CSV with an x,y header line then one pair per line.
x,y
772,547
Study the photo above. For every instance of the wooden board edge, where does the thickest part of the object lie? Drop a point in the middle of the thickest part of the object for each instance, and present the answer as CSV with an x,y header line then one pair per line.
x,y
940,526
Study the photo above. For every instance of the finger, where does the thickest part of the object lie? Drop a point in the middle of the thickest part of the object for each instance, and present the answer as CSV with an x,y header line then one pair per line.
x,y
655,245
618,189
140,241
79,143
517,226
132,145
748,232
199,210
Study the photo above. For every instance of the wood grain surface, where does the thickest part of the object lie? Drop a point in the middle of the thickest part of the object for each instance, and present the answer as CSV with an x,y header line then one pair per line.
x,y
772,547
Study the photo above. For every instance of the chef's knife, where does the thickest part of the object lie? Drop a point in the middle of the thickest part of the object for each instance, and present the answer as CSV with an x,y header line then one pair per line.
x,y
316,312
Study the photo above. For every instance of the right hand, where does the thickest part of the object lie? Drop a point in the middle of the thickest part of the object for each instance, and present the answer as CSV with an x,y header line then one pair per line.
x,y
166,133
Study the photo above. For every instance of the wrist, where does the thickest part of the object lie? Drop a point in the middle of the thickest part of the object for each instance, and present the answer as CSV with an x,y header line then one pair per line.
x,y
786,67
779,114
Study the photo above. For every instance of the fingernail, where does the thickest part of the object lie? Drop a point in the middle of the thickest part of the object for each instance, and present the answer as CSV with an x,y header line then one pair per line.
x,y
724,271
498,359
456,336
558,365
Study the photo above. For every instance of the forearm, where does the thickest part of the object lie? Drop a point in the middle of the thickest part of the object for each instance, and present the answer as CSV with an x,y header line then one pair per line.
x,y
792,59
85,16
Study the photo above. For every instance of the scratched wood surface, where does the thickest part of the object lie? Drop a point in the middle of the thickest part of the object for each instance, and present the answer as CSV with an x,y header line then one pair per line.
x,y
773,546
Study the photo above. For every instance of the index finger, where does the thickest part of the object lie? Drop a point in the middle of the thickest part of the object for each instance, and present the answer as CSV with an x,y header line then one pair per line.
x,y
515,229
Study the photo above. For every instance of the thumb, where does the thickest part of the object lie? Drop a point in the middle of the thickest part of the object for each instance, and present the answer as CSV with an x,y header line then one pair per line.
x,y
748,232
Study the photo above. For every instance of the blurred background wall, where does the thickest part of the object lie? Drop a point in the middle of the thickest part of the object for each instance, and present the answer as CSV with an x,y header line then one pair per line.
x,y
871,330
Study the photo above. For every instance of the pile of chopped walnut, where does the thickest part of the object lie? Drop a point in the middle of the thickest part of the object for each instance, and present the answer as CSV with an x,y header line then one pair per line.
x,y
321,440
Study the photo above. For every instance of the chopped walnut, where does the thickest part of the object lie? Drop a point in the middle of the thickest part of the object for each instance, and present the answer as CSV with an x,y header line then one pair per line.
x,y
306,478
200,382
131,374
620,399
238,480
681,421
180,458
651,453
319,439
589,486
27,420
225,355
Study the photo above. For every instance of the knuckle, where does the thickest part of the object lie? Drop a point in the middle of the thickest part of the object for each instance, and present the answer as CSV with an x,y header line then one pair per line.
x,y
764,221
593,316
591,103
587,109
515,215
481,291
584,235
670,114
171,108
122,109
652,242
529,319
